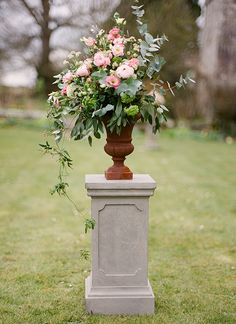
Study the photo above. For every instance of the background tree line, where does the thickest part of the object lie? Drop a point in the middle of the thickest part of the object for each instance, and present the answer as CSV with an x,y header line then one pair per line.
x,y
38,34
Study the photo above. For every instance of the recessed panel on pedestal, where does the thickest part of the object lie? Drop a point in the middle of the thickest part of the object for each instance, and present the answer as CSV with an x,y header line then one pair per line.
x,y
120,234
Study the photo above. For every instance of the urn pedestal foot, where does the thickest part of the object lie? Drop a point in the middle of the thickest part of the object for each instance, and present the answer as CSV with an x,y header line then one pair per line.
x,y
118,171
118,283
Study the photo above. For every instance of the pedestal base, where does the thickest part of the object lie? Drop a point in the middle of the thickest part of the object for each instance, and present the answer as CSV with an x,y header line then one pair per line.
x,y
118,283
118,300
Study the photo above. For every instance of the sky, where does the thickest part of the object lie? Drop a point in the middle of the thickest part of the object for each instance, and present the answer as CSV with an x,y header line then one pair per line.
x,y
18,75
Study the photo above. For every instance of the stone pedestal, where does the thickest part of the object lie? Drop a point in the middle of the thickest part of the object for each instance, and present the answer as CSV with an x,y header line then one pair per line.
x,y
118,283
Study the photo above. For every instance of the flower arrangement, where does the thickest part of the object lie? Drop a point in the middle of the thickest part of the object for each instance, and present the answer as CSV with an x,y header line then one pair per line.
x,y
109,81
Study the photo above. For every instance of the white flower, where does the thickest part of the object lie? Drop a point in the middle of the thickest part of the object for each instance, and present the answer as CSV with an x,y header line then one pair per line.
x,y
120,21
102,31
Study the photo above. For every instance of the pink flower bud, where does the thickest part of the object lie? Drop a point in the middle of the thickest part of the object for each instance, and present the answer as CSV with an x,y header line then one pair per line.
x,y
112,81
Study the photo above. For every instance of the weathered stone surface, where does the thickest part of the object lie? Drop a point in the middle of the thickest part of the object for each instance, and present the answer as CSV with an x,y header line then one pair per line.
x,y
118,283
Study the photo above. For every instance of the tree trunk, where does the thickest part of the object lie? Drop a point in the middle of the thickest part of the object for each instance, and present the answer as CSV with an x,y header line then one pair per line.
x,y
44,68
218,62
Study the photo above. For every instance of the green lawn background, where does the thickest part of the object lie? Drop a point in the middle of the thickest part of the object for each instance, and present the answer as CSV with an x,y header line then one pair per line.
x,y
192,236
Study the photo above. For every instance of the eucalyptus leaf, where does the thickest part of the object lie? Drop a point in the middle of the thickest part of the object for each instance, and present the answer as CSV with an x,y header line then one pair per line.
x,y
148,38
99,75
142,29
130,86
101,112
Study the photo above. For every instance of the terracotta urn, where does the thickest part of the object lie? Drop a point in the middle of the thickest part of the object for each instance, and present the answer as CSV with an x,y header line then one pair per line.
x,y
118,146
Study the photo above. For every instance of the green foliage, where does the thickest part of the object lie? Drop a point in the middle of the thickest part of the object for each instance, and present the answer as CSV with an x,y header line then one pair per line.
x,y
132,110
101,112
89,225
99,75
84,254
129,87
125,98
60,188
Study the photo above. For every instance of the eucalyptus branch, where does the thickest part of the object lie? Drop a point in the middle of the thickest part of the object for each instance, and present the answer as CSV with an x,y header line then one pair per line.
x,y
164,86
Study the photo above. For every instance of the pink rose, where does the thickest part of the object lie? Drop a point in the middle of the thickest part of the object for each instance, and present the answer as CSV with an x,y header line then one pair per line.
x,y
113,33
124,71
83,71
64,90
107,61
118,50
134,63
89,41
67,77
100,59
112,81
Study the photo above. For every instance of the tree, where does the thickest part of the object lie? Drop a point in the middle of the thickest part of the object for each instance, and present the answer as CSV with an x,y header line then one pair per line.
x,y
33,33
217,86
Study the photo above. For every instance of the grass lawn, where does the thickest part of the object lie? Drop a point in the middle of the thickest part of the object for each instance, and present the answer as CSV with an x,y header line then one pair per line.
x,y
192,237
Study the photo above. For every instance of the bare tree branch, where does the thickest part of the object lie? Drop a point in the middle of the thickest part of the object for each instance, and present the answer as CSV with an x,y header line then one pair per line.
x,y
50,27
32,12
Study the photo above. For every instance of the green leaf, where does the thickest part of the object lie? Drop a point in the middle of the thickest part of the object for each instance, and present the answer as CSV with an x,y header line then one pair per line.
x,y
97,135
143,29
99,75
90,140
150,71
89,224
159,62
144,48
137,7
149,55
60,188
47,147
84,254
164,107
118,109
130,86
178,85
132,110
138,13
153,49
148,38
101,112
